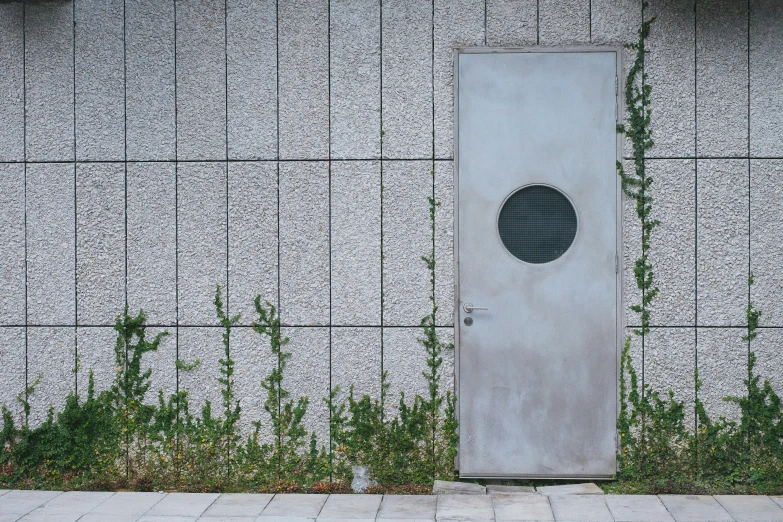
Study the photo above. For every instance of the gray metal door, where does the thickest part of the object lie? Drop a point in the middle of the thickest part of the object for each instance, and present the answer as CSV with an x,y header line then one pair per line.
x,y
537,240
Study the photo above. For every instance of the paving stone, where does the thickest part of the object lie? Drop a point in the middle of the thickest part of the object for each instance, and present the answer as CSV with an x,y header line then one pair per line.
x,y
518,507
72,504
571,489
497,488
93,517
580,507
126,503
293,507
167,519
443,487
407,507
183,505
9,518
35,516
22,502
238,505
4,491
695,508
750,508
637,508
464,507
350,507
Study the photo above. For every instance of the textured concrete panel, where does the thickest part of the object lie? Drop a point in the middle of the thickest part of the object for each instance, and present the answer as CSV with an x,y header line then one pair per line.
x,y
670,66
672,247
407,79
100,80
307,375
769,357
722,77
151,241
722,242
356,243
766,236
206,346
444,242
304,78
723,364
252,79
304,243
563,22
632,249
100,242
12,82
201,80
149,48
95,352
356,360
407,236
201,240
766,69
252,236
253,360
512,22
12,244
12,378
49,81
458,23
50,244
50,359
614,21
163,363
355,75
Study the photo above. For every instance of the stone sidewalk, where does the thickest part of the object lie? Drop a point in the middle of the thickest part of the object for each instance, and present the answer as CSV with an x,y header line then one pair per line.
x,y
54,506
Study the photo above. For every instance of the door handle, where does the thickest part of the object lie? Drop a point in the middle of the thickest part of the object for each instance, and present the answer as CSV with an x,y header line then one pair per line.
x,y
469,308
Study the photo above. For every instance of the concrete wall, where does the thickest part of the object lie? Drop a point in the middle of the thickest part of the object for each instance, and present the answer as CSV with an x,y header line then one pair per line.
x,y
150,150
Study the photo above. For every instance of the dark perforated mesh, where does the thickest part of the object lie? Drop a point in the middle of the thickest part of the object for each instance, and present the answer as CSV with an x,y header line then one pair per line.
x,y
537,224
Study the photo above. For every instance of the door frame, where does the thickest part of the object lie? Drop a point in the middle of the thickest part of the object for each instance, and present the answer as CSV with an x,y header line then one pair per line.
x,y
620,320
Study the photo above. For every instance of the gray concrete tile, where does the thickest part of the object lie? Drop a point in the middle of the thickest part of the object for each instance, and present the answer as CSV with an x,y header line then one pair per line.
x,y
51,357
458,23
407,507
407,79
355,79
127,503
168,518
253,361
4,491
96,353
695,508
766,218
304,243
276,518
304,79
50,244
70,504
201,80
92,517
766,68
12,82
99,81
9,517
238,505
614,22
518,507
252,79
356,360
511,22
21,502
350,507
252,237
12,241
356,243
580,507
777,499
182,505
444,243
228,519
750,508
35,516
149,57
722,78
670,66
564,22
637,508
49,82
293,506
464,507
201,240
723,242
201,383
723,360
151,239
100,242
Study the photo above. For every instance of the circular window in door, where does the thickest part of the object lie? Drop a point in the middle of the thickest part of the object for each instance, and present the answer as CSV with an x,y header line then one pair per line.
x,y
537,224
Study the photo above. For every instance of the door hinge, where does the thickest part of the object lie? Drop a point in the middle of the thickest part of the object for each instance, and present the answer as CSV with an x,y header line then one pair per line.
x,y
616,263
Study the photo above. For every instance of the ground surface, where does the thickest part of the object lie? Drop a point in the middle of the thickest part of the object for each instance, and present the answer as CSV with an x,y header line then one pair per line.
x,y
53,506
